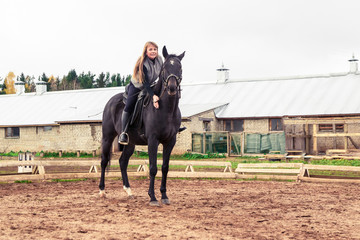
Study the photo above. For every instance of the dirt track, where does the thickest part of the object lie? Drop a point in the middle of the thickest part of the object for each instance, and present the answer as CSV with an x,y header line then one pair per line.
x,y
200,209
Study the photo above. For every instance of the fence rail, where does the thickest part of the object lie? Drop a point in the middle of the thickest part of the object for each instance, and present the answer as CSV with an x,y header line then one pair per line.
x,y
39,171
281,171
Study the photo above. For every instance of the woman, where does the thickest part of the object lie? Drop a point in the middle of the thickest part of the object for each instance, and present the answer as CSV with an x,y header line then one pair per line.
x,y
146,71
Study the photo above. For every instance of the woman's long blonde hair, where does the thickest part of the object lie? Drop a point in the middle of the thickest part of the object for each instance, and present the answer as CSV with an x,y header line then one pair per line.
x,y
138,69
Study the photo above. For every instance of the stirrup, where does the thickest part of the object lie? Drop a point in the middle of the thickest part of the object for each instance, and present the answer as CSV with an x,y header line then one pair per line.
x,y
124,141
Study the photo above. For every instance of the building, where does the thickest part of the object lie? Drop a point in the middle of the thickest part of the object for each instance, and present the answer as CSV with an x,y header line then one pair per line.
x,y
53,121
311,114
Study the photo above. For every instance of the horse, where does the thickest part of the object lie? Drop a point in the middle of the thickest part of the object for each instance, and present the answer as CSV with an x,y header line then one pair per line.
x,y
159,126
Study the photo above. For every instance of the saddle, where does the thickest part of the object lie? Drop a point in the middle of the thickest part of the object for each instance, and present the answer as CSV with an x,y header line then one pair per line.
x,y
141,102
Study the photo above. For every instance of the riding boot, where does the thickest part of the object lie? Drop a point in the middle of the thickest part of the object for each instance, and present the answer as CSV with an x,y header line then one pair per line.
x,y
181,129
124,137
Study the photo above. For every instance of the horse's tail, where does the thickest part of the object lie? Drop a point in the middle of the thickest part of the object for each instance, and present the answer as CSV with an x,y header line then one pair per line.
x,y
106,153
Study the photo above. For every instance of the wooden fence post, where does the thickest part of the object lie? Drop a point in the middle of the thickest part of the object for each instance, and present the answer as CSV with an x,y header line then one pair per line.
x,y
315,146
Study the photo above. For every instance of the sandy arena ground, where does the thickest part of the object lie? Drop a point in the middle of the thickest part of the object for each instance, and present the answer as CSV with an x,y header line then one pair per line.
x,y
200,209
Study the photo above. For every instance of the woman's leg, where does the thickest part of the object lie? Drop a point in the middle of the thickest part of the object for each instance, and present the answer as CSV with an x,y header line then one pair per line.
x,y
133,93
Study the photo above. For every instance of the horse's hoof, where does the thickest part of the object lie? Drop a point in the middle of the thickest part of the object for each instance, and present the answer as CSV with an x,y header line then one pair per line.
x,y
131,197
154,203
102,194
165,201
128,191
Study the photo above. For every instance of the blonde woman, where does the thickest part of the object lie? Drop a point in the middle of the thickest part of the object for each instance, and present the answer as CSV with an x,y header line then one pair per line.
x,y
146,71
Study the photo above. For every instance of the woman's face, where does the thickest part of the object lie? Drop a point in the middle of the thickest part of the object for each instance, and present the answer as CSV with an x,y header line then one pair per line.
x,y
151,51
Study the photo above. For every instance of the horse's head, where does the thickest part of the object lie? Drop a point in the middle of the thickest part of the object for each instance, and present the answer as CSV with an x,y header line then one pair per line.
x,y
171,74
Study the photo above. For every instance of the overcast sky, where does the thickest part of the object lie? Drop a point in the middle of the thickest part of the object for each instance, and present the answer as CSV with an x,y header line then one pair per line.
x,y
253,38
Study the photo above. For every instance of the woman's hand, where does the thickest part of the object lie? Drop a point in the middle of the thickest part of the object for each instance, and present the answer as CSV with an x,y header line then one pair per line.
x,y
156,101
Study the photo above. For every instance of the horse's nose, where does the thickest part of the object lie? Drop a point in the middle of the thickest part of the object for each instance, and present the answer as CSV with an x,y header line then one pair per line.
x,y
172,86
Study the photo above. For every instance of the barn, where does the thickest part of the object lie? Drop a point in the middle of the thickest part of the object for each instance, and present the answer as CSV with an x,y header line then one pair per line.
x,y
306,114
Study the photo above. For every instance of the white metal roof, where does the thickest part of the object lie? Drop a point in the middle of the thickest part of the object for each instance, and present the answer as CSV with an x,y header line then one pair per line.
x,y
301,96
54,107
191,109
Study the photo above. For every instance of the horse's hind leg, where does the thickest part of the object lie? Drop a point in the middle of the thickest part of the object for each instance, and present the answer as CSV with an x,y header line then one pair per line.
x,y
168,147
124,162
105,158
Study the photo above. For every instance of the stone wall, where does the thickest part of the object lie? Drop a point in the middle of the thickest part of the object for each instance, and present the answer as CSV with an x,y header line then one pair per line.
x,y
87,137
325,143
256,125
69,137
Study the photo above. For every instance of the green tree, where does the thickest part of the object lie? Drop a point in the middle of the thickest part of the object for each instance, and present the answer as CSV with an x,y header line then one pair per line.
x,y
22,78
72,79
63,83
86,80
45,79
2,86
118,80
127,80
107,80
113,80
100,81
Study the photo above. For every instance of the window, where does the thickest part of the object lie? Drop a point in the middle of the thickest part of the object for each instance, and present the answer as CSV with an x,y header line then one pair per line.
x,y
197,143
236,125
325,127
276,124
47,128
227,124
330,127
206,125
339,127
12,132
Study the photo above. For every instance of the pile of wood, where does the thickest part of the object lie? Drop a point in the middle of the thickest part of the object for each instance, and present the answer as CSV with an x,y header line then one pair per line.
x,y
342,154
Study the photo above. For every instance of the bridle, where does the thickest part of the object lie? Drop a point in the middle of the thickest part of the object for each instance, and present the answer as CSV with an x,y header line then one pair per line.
x,y
165,81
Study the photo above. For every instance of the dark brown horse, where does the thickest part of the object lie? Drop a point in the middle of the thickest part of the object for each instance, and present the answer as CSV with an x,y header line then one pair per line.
x,y
160,126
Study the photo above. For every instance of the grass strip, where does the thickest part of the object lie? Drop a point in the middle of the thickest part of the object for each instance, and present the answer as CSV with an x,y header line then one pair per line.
x,y
69,180
23,181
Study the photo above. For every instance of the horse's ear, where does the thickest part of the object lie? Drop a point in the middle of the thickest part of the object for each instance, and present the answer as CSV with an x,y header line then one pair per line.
x,y
165,52
181,55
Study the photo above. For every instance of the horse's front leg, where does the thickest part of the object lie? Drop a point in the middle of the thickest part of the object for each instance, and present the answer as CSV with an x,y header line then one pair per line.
x,y
168,147
152,150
